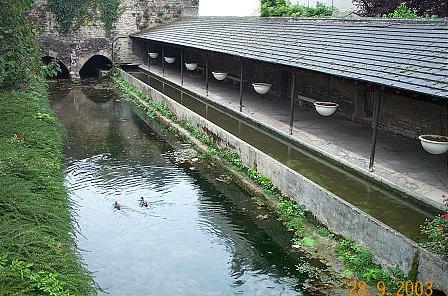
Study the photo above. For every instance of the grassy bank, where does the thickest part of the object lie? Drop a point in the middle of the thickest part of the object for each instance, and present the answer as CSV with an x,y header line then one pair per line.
x,y
37,248
341,256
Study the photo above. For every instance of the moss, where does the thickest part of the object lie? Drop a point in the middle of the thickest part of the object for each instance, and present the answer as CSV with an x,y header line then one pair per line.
x,y
37,245
413,273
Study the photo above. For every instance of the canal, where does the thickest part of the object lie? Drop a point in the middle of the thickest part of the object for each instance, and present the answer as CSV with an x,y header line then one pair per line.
x,y
385,205
199,234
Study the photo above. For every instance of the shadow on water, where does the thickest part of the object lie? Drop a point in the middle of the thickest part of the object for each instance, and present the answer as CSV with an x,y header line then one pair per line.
x,y
382,204
197,236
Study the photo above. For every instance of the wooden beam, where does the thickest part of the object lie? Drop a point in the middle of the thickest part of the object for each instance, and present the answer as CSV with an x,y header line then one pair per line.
x,y
291,115
182,67
241,84
206,74
163,61
376,117
149,59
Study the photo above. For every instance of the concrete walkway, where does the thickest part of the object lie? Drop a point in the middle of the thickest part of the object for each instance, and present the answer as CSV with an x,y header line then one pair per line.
x,y
399,162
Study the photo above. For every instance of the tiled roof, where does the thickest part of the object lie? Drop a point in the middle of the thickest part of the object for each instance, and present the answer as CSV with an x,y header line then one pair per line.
x,y
405,54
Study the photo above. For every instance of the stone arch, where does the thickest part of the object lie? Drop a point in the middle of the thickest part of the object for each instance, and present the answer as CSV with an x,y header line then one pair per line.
x,y
92,65
64,73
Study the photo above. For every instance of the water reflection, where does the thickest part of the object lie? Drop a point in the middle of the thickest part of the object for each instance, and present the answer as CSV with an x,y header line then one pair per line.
x,y
198,235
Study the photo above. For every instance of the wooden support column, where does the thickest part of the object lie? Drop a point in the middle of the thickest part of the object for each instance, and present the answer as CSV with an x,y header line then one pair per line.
x,y
147,54
375,120
241,84
206,74
182,67
163,61
149,59
291,115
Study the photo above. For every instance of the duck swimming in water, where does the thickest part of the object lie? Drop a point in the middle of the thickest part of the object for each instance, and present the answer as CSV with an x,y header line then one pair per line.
x,y
143,202
117,206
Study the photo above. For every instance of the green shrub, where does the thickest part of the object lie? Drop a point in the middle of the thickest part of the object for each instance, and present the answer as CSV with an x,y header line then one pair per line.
x,y
360,261
436,231
402,11
19,53
286,8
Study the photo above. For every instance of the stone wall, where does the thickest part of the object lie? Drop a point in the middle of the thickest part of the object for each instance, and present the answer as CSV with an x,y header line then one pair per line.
x,y
410,117
76,47
402,113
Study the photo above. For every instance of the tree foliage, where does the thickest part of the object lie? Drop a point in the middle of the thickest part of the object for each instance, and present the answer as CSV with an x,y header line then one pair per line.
x,y
19,53
423,8
286,8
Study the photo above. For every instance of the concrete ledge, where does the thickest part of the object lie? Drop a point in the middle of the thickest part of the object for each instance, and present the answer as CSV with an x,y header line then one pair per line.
x,y
361,171
389,247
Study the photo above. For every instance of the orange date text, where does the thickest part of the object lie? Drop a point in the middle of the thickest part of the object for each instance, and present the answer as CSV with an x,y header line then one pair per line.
x,y
401,288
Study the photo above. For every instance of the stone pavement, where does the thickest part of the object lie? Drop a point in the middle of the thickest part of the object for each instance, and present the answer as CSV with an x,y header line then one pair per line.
x,y
399,162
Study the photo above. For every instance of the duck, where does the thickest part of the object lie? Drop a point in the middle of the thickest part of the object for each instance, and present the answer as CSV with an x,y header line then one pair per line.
x,y
143,202
117,206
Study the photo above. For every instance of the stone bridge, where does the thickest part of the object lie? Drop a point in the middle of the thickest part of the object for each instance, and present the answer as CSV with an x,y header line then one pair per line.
x,y
89,44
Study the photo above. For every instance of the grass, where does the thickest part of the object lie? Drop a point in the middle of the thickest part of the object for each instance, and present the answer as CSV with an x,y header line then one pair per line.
x,y
37,247
359,261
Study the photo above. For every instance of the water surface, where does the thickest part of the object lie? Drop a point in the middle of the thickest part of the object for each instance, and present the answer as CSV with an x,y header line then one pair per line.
x,y
198,235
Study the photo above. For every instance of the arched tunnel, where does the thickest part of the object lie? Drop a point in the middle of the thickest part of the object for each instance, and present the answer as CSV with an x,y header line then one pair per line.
x,y
63,74
94,65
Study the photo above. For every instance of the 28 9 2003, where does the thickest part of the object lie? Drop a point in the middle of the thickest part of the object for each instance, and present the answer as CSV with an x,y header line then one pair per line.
x,y
402,288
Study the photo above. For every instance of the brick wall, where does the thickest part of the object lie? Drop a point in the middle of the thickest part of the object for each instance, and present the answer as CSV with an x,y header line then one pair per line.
x,y
411,117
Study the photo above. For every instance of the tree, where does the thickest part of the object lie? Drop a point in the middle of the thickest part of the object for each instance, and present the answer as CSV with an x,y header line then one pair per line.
x,y
423,8
19,52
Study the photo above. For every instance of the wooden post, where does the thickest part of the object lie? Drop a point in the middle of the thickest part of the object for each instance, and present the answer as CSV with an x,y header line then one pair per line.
x,y
376,117
182,67
149,59
241,85
163,61
147,53
206,74
291,115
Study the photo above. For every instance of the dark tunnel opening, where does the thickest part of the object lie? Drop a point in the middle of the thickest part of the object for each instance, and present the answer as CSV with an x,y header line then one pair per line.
x,y
63,74
94,66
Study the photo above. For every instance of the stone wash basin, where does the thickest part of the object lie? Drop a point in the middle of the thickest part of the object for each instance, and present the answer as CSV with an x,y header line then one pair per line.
x,y
325,108
170,60
219,75
434,144
191,66
261,88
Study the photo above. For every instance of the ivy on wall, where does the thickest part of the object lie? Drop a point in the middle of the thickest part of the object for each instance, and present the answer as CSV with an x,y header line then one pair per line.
x,y
110,11
70,14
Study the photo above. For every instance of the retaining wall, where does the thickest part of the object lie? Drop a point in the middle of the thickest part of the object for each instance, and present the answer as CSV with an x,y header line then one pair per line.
x,y
389,247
